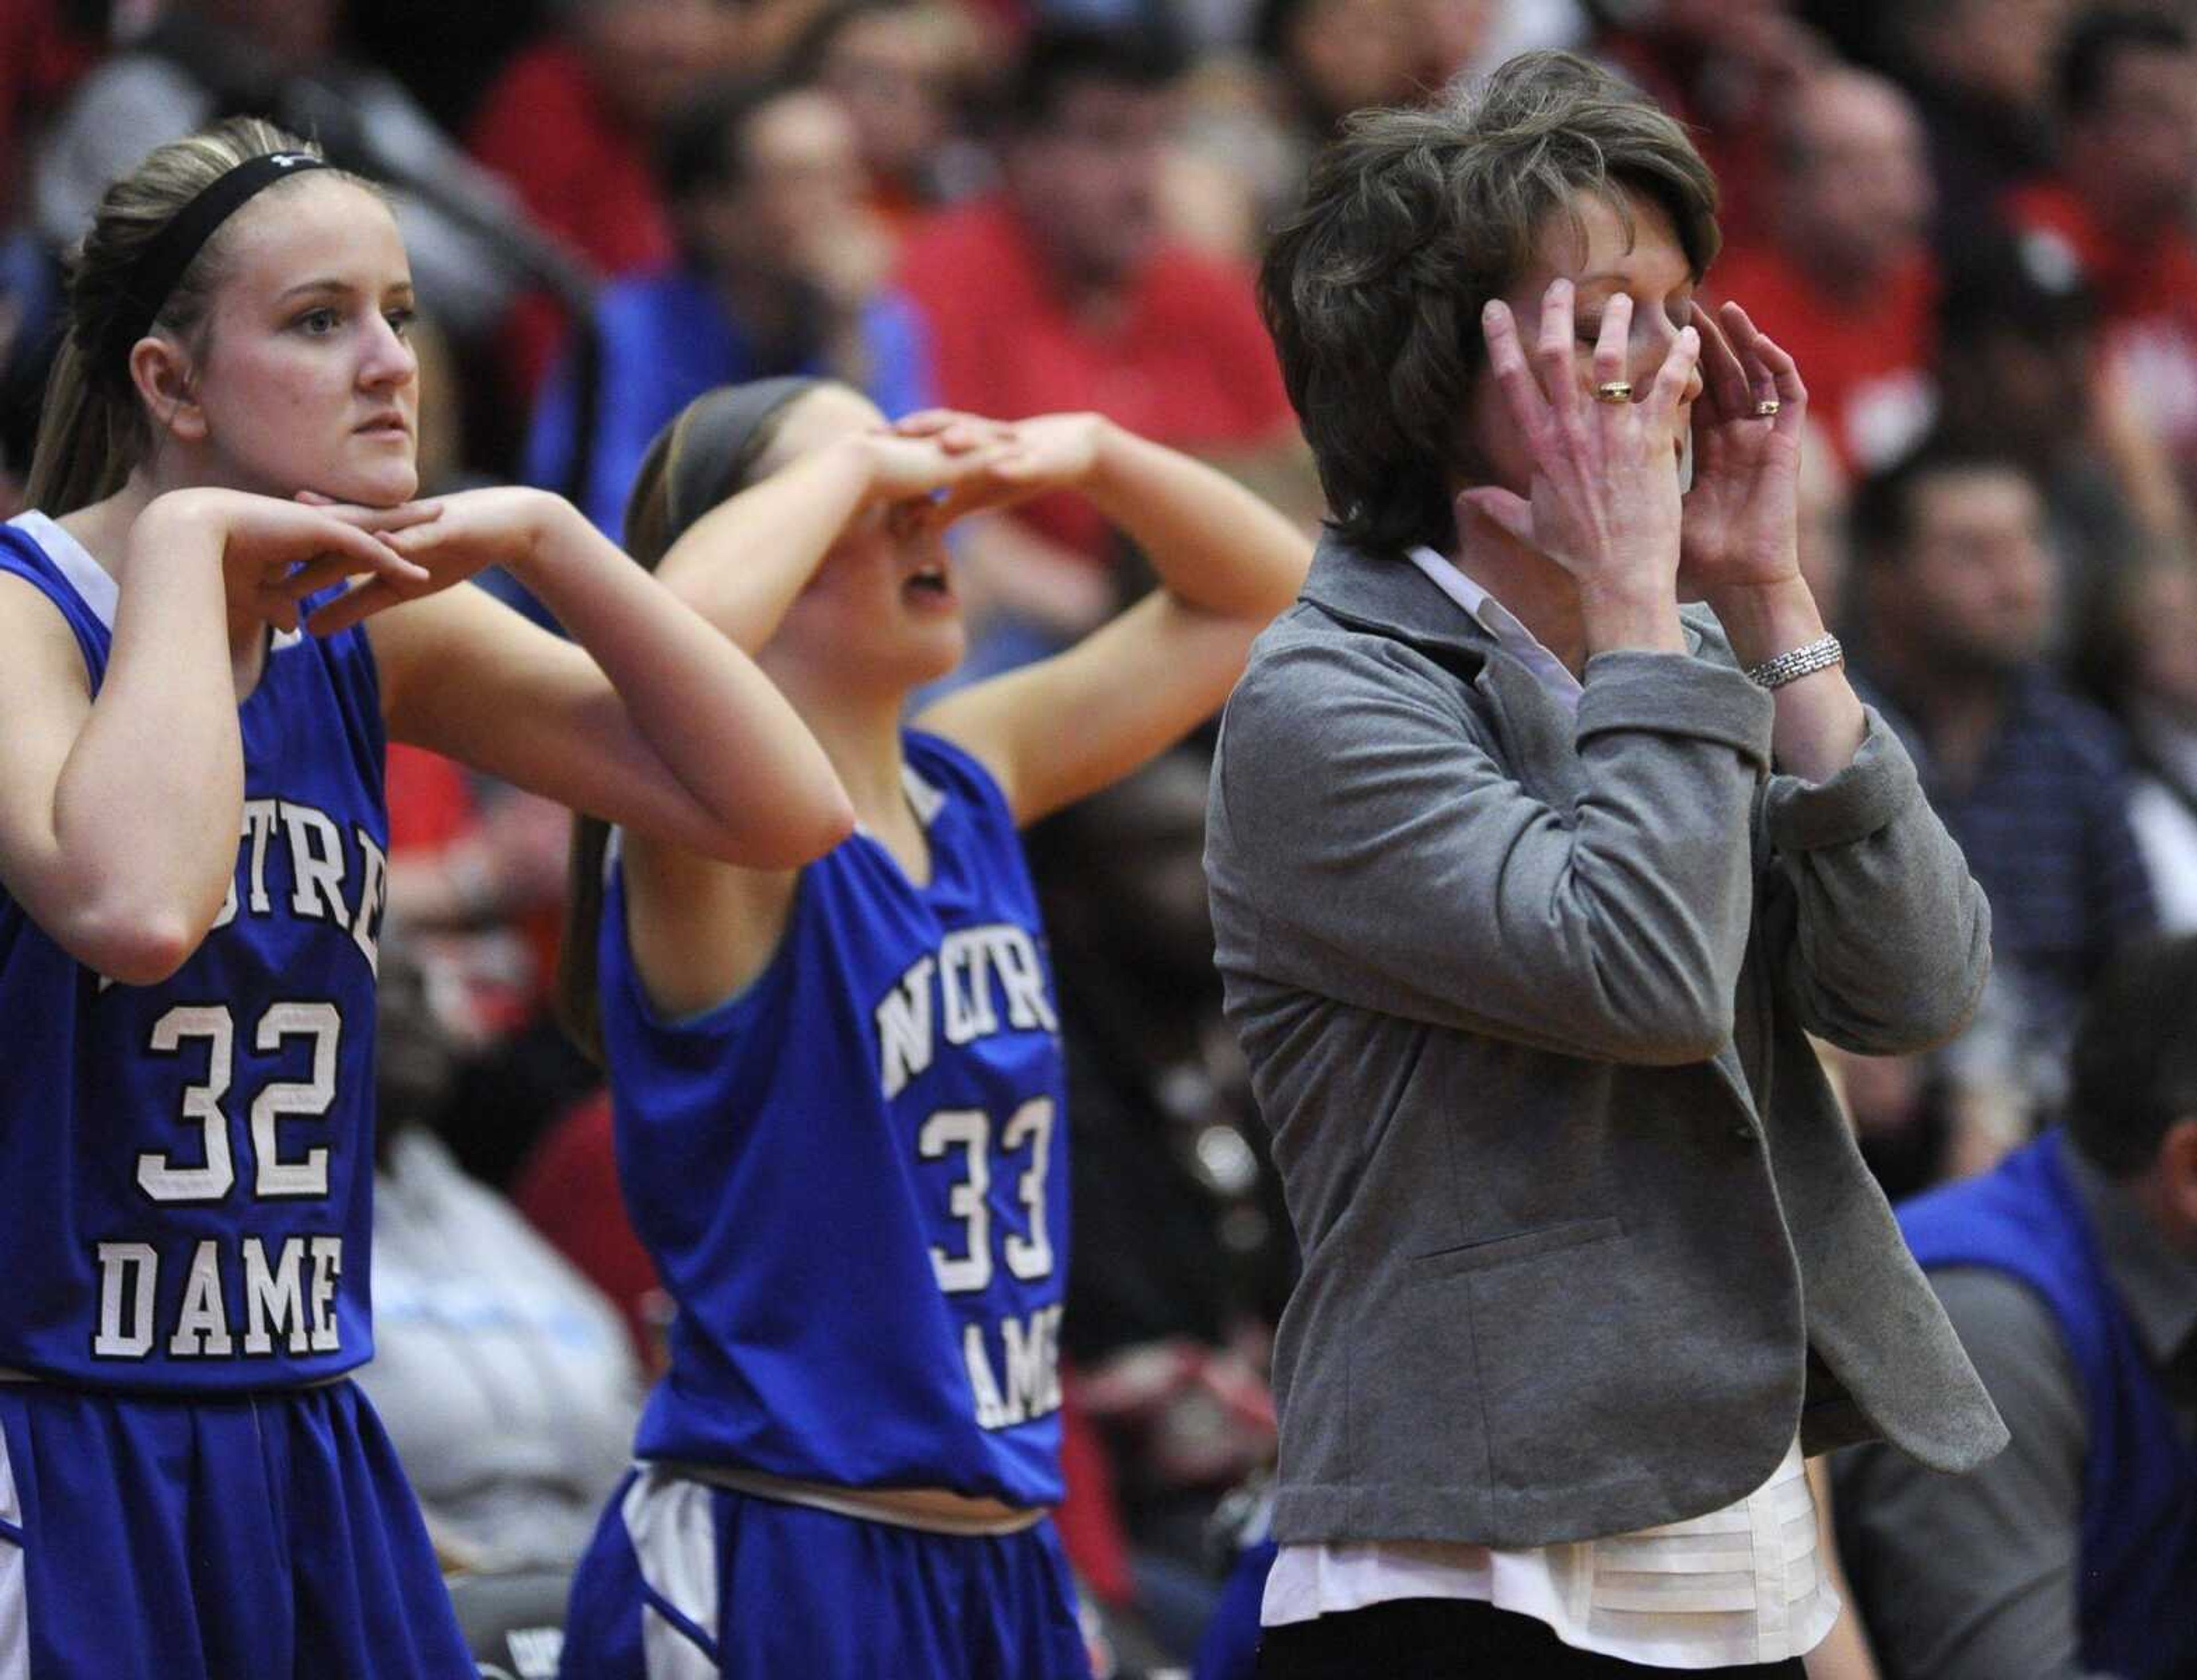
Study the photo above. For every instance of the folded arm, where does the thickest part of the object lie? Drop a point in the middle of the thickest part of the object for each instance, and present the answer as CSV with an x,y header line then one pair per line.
x,y
1371,848
1883,936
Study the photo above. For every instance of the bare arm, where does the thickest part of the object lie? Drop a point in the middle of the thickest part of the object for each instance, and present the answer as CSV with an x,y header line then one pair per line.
x,y
119,816
1227,563
651,721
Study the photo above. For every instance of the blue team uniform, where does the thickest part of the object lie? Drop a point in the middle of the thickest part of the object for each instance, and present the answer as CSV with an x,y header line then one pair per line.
x,y
187,1485
853,1178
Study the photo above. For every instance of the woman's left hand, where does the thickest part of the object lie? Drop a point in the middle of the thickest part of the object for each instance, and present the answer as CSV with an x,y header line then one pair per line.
x,y
1740,525
468,532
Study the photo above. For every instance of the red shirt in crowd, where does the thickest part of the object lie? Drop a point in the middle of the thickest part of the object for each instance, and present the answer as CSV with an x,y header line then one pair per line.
x,y
1866,362
582,173
1186,361
42,52
430,803
2146,291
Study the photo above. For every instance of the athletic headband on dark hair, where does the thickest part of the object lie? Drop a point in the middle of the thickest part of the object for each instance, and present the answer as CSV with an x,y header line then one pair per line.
x,y
719,430
162,262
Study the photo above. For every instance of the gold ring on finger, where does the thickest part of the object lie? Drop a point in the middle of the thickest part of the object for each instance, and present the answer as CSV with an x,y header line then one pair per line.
x,y
1767,409
1614,391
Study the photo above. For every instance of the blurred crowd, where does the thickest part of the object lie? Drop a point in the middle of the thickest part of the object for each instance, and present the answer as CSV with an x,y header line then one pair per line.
x,y
1973,222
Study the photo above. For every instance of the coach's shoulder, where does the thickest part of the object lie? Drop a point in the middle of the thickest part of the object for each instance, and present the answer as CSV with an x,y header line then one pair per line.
x,y
1310,670
1320,701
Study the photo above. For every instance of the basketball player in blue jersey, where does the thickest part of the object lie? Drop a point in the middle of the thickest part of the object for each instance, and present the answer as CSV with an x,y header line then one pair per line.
x,y
192,883
839,1088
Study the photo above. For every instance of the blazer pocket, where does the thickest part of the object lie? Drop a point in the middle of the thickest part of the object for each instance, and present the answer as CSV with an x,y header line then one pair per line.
x,y
1547,1239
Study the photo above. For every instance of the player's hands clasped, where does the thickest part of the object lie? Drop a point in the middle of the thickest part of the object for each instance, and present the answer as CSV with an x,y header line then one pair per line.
x,y
451,539
909,470
1603,503
1014,460
275,553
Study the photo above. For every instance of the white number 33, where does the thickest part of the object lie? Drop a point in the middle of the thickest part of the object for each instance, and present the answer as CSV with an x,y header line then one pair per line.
x,y
1029,1257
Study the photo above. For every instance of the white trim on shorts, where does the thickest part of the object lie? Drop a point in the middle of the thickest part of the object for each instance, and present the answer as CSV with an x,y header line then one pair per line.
x,y
14,1595
673,1529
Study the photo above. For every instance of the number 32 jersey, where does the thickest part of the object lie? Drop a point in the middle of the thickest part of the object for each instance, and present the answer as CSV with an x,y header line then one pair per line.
x,y
186,1168
853,1175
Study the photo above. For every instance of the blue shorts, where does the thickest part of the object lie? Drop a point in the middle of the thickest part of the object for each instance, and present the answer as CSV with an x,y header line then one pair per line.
x,y
267,1537
685,1581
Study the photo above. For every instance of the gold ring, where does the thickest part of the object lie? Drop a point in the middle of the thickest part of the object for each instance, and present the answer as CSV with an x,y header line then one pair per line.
x,y
1614,391
1767,408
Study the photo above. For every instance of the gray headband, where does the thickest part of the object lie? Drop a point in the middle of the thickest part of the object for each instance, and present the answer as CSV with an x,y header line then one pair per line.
x,y
719,439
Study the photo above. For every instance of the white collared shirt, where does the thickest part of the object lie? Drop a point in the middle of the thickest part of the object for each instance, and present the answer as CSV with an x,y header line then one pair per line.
x,y
1742,1585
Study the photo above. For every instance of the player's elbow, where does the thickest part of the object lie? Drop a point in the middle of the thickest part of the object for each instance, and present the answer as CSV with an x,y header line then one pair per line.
x,y
796,833
133,944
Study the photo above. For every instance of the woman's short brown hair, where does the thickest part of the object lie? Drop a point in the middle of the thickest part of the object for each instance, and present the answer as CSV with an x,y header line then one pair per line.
x,y
1411,220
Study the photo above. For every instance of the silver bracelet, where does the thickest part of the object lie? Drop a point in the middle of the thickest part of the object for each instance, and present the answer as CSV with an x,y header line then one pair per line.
x,y
1806,660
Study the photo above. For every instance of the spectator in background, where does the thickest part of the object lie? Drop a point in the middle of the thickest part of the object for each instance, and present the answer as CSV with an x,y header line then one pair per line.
x,y
781,271
572,123
1980,73
43,50
1823,492
568,1188
41,56
1183,1258
2117,208
1840,271
1061,291
468,241
1723,68
2070,1273
2145,664
1251,122
1958,600
2019,373
503,1376
893,65
1331,57
477,870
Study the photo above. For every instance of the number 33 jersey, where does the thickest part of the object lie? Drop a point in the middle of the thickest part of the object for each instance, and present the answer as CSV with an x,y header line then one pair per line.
x,y
186,1168
853,1175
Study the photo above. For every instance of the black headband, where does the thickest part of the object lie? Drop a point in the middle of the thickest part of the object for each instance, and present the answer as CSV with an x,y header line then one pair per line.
x,y
718,430
162,262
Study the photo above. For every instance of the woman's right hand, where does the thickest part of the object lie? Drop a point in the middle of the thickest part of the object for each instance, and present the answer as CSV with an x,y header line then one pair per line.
x,y
1604,502
275,553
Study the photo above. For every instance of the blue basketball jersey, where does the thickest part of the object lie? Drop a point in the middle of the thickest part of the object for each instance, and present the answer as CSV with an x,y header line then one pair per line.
x,y
853,1176
185,1203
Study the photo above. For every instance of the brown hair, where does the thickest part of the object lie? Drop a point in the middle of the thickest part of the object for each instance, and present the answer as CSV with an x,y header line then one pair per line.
x,y
1411,220
707,452
93,428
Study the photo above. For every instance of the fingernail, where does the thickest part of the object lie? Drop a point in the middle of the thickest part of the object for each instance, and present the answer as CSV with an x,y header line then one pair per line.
x,y
1491,309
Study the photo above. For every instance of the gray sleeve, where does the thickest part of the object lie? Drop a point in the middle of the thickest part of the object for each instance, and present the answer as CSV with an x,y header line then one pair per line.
x,y
1379,853
1973,1577
1884,936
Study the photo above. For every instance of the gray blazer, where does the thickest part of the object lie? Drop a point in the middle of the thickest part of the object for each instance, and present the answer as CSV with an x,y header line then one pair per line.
x,y
1585,1235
